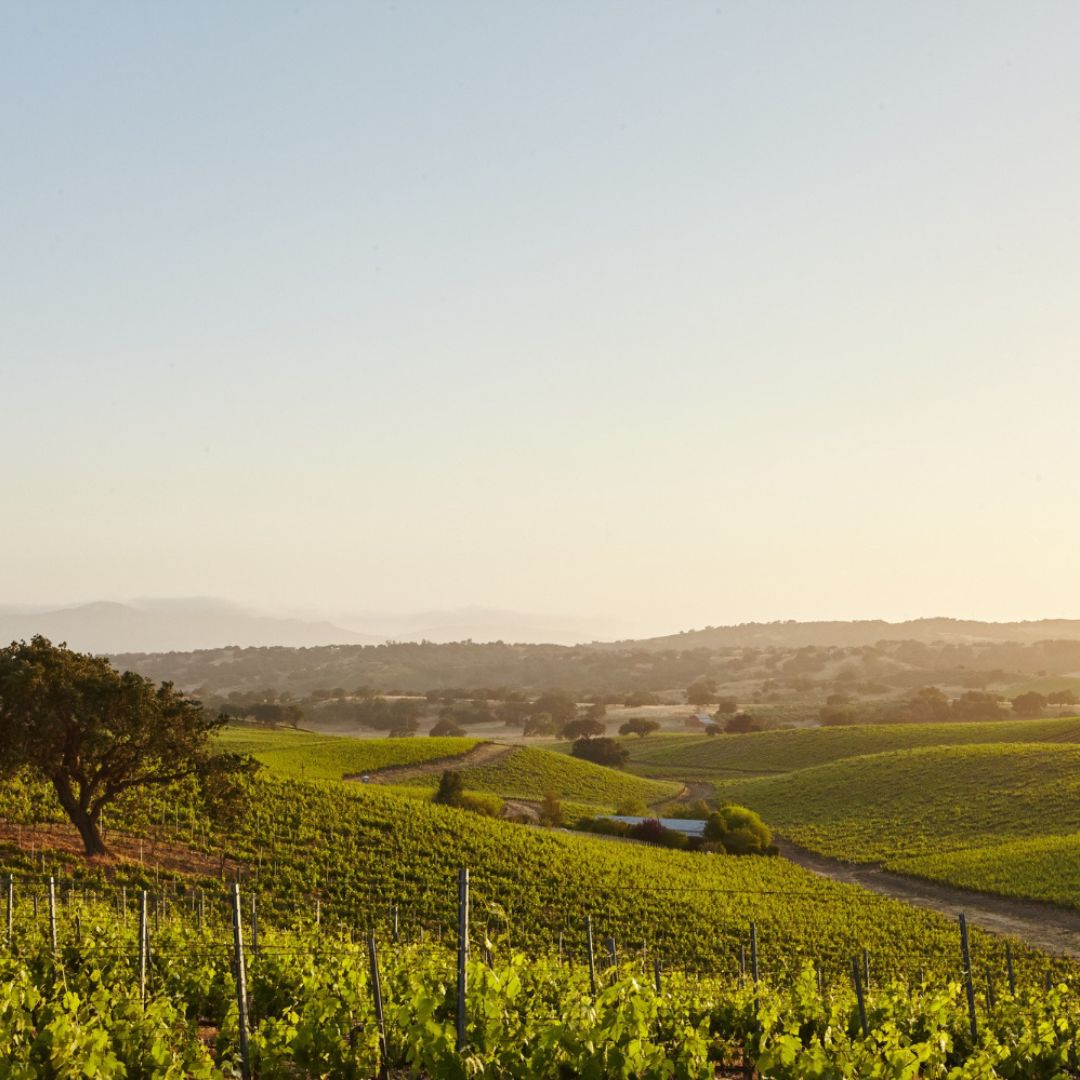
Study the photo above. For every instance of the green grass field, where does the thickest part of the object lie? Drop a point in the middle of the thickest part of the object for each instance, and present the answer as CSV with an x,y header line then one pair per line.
x,y
701,757
529,773
303,755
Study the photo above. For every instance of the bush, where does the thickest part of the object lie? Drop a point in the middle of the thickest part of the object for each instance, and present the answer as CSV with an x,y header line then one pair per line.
x,y
652,832
451,788
600,752
631,808
695,811
551,812
739,830
451,792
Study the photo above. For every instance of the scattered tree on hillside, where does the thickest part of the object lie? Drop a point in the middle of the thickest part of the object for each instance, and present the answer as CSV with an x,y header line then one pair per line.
x,y
977,705
701,692
95,733
725,706
561,707
583,729
838,715
538,724
639,726
636,698
447,726
601,752
740,724
596,711
1029,705
1062,697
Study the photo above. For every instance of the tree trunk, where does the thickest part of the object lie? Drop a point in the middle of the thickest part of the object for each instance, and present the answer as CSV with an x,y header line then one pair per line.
x,y
81,818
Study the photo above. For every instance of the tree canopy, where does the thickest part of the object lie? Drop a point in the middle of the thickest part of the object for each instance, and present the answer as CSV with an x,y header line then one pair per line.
x,y
94,732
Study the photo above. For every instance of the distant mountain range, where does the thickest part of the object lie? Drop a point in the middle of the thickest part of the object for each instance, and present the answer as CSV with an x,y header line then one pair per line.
x,y
183,625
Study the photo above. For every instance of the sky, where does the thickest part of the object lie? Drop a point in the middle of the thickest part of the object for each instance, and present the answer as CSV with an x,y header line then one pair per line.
x,y
669,314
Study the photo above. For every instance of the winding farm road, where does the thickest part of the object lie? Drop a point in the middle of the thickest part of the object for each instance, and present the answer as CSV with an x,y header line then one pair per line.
x,y
1045,926
484,754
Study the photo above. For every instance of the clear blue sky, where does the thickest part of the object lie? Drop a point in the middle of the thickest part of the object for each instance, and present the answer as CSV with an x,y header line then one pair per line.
x,y
676,313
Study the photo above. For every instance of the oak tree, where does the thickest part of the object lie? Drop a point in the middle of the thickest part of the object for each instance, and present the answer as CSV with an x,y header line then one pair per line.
x,y
93,732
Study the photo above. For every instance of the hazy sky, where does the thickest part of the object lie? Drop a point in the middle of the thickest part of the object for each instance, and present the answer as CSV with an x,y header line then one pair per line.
x,y
676,313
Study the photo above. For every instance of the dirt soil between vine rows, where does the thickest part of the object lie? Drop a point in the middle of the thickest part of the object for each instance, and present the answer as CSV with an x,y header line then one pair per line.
x,y
1044,926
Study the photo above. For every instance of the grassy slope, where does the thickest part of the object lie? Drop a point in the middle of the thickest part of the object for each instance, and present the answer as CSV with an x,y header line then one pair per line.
x,y
939,812
694,757
301,754
529,773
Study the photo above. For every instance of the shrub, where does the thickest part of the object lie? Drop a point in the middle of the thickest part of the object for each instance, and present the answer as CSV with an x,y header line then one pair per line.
x,y
631,808
740,830
451,788
451,792
551,812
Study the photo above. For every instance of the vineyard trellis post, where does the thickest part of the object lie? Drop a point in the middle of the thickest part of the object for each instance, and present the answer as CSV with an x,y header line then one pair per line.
x,y
612,957
592,957
10,908
380,1019
656,974
1009,968
754,953
241,983
969,985
856,976
143,933
52,913
463,955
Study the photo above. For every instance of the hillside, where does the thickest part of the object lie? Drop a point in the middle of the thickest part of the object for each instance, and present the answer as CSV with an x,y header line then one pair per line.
x,y
303,755
775,674
991,816
530,773
724,756
796,635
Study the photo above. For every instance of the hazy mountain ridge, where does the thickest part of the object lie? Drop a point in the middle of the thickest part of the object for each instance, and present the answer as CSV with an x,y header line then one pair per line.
x,y
190,624
794,634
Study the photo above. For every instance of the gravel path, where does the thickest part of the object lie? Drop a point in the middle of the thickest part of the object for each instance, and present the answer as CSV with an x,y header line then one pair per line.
x,y
1045,926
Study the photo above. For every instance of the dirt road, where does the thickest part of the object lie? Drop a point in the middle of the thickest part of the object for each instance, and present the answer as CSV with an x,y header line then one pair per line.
x,y
1045,926
484,754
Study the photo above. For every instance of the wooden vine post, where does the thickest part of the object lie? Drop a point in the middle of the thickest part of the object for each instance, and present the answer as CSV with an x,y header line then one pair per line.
x,y
463,955
969,985
241,983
